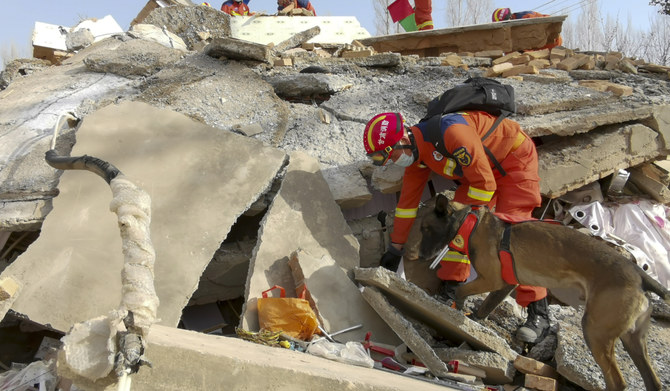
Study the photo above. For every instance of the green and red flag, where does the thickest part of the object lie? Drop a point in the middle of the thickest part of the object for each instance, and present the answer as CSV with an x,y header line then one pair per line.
x,y
401,11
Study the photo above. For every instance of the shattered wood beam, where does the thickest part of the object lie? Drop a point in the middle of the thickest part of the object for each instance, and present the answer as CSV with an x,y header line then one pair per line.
x,y
139,302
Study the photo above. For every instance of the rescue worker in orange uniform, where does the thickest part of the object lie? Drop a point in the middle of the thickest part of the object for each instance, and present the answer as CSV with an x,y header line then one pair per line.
x,y
237,8
517,193
306,4
422,14
502,14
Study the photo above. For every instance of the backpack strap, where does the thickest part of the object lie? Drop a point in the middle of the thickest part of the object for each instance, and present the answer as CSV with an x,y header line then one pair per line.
x,y
501,117
493,159
433,135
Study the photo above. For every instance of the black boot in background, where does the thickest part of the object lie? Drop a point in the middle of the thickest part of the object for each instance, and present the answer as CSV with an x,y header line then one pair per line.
x,y
446,293
537,324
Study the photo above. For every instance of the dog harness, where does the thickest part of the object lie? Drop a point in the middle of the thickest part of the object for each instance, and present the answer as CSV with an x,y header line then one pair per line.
x,y
461,244
506,259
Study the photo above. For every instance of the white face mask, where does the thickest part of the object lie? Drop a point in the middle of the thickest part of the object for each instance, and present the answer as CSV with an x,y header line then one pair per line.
x,y
404,160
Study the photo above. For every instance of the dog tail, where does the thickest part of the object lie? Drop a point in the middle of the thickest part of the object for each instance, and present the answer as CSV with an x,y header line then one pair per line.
x,y
651,285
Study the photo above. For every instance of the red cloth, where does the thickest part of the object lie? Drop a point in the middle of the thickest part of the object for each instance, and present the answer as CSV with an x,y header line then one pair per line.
x,y
422,14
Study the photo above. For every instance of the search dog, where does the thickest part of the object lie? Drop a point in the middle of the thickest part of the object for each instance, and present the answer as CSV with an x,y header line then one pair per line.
x,y
556,256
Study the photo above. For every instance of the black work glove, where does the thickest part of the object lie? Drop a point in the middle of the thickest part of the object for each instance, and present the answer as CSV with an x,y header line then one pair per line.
x,y
391,258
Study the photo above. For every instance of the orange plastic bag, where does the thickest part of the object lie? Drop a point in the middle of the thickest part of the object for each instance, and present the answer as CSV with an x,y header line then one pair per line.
x,y
291,315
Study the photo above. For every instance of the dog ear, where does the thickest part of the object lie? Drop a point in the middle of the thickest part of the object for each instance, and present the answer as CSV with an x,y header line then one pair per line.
x,y
441,205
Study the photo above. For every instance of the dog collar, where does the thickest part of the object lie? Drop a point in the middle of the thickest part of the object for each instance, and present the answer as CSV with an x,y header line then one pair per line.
x,y
460,242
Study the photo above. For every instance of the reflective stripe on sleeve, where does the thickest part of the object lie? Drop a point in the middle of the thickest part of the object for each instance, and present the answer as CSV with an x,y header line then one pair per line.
x,y
406,213
455,256
480,195
449,167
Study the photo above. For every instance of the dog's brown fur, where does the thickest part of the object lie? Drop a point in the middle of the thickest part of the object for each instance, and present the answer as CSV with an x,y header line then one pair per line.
x,y
556,256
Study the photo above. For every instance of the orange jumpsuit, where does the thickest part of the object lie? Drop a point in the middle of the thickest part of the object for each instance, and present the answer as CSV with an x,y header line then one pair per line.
x,y
422,14
517,193
533,14
236,9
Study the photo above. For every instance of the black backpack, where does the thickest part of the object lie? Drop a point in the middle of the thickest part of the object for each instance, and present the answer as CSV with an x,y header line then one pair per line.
x,y
477,93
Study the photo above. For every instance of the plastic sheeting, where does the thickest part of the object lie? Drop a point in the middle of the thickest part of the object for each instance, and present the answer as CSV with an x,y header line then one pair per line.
x,y
38,375
641,227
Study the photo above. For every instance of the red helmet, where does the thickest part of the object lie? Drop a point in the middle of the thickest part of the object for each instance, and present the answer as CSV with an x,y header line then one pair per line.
x,y
381,134
501,14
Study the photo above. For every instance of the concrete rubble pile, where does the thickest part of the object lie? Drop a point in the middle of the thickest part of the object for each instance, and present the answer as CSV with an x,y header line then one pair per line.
x,y
250,152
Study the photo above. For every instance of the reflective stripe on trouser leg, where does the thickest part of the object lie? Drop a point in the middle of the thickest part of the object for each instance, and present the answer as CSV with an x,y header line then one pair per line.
x,y
406,213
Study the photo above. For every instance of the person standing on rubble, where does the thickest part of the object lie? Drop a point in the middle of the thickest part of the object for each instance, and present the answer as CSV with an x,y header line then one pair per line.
x,y
306,4
237,8
516,193
502,14
422,14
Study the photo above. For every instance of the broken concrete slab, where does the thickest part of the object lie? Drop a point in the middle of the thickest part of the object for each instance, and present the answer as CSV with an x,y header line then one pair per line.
x,y
188,22
230,92
238,49
179,163
224,277
336,143
564,166
79,39
159,35
569,123
339,301
186,360
309,85
498,369
122,58
349,188
406,331
20,67
100,28
27,182
445,320
388,179
303,215
660,122
531,100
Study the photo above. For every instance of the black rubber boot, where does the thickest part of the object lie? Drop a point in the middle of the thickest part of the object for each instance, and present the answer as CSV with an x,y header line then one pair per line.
x,y
447,294
537,324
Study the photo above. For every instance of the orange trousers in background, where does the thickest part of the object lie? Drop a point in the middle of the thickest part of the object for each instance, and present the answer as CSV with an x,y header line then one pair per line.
x,y
422,14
